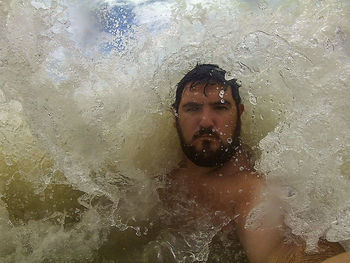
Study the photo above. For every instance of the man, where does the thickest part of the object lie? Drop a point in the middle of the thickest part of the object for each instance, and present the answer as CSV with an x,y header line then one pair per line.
x,y
217,172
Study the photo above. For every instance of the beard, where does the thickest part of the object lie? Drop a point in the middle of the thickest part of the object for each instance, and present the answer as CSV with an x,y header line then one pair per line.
x,y
207,157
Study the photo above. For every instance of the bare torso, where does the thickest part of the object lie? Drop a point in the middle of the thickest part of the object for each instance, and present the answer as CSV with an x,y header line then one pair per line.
x,y
236,190
227,188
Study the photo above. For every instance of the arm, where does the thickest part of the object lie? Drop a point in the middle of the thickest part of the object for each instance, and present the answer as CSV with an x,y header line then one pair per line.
x,y
295,253
341,258
266,239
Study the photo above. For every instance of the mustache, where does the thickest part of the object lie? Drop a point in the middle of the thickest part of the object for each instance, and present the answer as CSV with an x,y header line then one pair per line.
x,y
206,131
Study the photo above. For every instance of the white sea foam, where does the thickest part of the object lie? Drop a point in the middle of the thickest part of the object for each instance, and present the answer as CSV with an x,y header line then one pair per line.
x,y
85,126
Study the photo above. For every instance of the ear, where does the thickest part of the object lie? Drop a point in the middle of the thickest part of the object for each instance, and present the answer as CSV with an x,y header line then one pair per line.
x,y
241,109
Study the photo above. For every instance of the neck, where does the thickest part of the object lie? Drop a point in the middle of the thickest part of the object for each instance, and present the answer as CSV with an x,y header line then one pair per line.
x,y
193,168
234,165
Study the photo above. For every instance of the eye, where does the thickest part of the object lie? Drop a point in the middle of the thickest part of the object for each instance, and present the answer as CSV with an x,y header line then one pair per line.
x,y
192,109
221,107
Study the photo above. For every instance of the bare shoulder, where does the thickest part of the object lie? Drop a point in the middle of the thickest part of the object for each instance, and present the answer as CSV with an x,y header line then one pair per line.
x,y
251,187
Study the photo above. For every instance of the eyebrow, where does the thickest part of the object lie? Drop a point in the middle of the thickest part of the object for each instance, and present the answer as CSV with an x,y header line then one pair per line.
x,y
216,103
191,104
219,102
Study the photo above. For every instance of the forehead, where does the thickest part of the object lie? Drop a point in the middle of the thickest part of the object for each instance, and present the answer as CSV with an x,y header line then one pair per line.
x,y
206,91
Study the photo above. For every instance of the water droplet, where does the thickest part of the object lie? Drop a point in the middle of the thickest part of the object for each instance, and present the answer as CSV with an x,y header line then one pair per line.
x,y
262,5
241,168
252,99
330,190
221,94
229,140
228,76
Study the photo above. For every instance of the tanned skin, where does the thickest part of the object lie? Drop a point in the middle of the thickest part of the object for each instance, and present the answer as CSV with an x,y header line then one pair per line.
x,y
234,187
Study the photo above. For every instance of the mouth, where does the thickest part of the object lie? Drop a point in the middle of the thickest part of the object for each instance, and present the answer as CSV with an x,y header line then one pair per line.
x,y
206,135
206,138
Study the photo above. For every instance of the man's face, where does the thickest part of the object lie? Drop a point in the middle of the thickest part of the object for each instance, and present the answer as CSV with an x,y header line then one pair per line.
x,y
208,124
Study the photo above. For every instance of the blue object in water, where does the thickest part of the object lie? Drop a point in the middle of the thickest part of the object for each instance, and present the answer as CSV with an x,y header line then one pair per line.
x,y
117,21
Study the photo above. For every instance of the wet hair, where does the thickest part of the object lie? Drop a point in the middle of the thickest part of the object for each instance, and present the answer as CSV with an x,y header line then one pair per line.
x,y
207,74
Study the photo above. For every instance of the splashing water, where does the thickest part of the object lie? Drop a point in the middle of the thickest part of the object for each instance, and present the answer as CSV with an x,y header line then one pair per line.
x,y
86,128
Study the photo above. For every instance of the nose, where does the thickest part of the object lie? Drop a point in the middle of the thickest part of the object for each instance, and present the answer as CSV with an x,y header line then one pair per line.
x,y
206,119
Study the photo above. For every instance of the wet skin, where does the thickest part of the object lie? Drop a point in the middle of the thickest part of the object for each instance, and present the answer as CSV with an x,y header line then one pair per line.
x,y
213,110
234,187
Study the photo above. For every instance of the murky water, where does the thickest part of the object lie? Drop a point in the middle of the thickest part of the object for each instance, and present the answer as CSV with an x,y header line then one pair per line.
x,y
86,131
